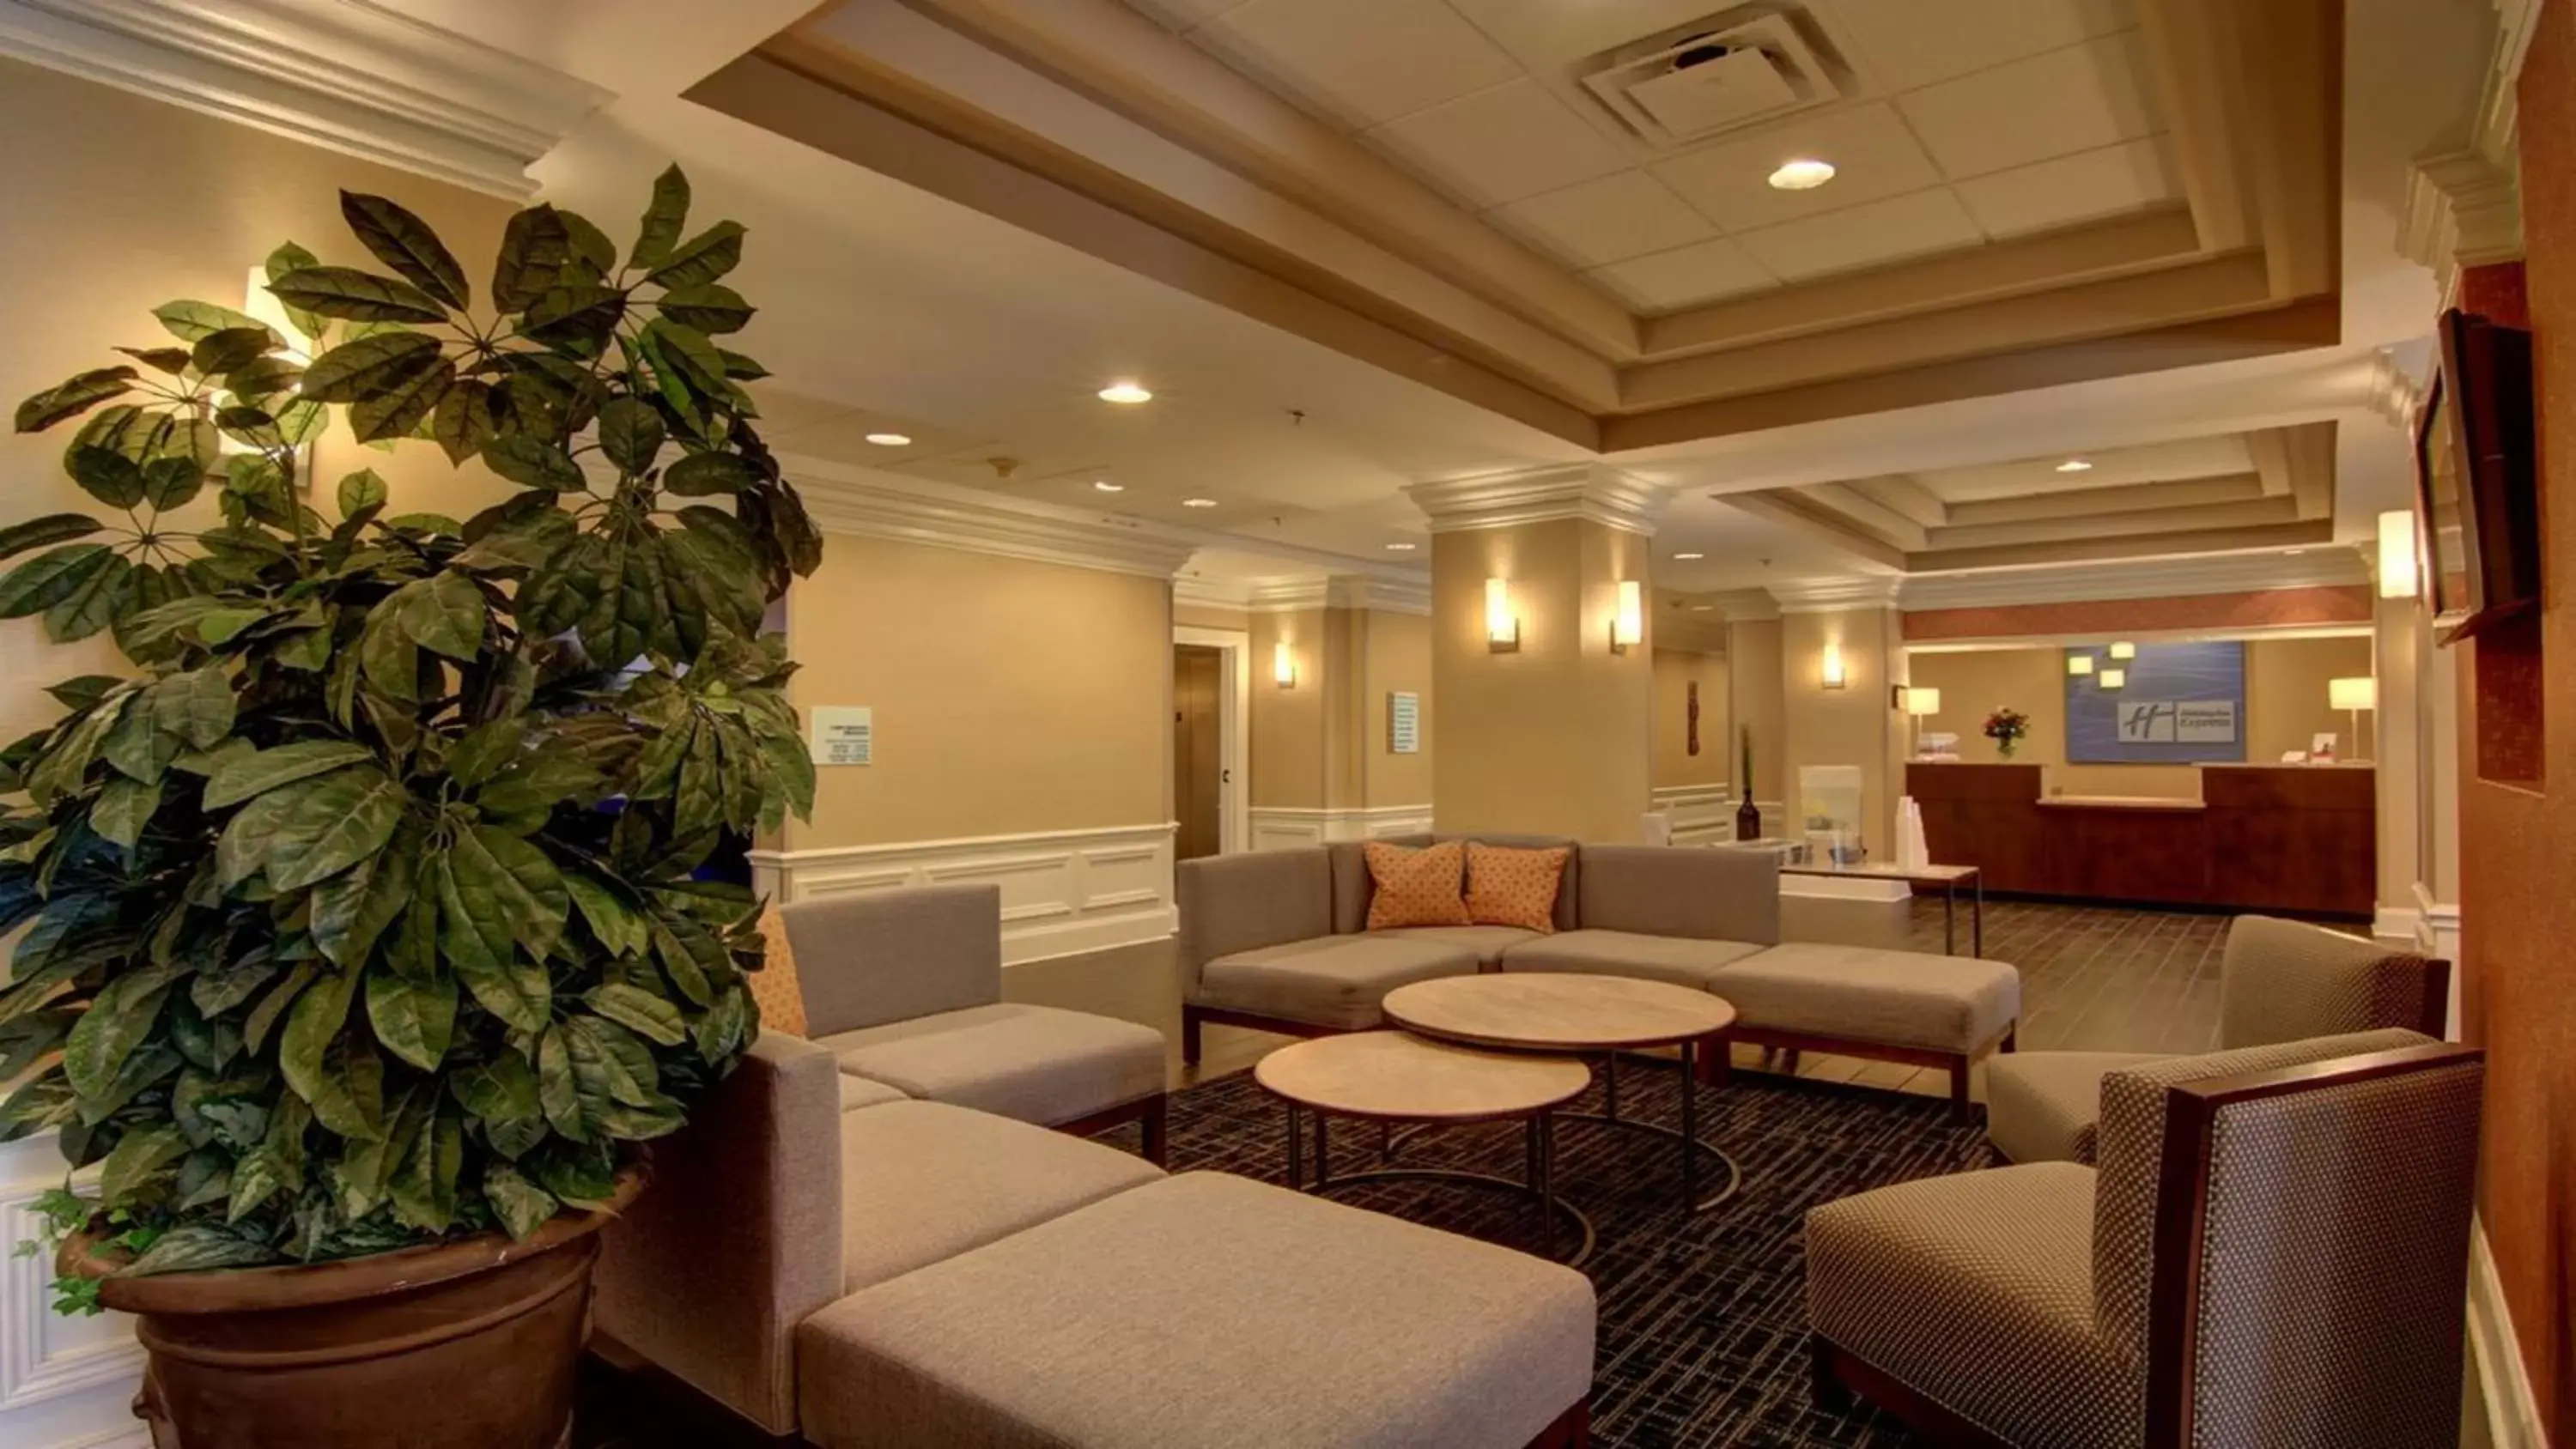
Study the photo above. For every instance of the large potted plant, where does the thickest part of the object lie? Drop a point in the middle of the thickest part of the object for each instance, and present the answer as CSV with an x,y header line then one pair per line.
x,y
365,944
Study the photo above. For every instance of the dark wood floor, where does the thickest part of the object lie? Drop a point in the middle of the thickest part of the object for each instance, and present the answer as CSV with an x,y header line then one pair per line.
x,y
2093,978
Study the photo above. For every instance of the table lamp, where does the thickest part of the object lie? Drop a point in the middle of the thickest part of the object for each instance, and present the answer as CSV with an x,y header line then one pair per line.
x,y
2353,695
1921,700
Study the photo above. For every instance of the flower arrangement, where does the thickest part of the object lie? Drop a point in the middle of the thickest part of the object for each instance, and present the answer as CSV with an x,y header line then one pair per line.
x,y
2007,727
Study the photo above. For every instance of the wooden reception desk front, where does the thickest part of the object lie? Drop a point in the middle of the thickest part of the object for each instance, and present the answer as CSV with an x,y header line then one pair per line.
x,y
2289,838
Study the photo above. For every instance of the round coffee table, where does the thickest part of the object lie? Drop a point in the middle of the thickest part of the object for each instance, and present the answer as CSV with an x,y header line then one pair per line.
x,y
1574,1012
1389,1076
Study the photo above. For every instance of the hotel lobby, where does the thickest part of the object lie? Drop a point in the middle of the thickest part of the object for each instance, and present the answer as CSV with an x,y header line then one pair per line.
x,y
1319,724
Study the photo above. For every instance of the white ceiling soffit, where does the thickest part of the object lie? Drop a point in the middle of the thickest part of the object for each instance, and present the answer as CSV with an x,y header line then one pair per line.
x,y
352,76
2326,566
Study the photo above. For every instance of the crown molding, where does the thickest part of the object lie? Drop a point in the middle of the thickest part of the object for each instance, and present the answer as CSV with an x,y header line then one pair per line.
x,y
1210,594
1506,500
348,75
1746,606
2463,202
1828,596
843,499
2328,566
2393,391
1340,591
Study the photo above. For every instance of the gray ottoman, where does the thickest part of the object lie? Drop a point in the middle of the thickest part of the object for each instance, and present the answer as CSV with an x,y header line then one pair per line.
x,y
1932,1011
1200,1311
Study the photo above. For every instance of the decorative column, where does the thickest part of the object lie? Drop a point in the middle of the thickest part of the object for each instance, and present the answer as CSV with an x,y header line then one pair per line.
x,y
1324,652
1756,703
1546,711
1842,658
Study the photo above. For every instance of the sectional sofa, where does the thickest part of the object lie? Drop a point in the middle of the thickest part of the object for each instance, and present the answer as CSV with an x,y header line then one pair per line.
x,y
1277,940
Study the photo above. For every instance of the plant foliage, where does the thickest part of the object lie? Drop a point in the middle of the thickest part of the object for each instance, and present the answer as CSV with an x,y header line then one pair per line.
x,y
362,912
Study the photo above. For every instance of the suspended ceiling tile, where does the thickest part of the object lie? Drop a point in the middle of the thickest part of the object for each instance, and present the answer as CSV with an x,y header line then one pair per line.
x,y
1905,44
2089,186
1366,61
1502,145
2081,98
1701,272
1865,236
1873,155
1619,216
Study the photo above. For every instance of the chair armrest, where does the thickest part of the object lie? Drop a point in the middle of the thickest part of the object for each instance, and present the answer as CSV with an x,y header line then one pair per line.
x,y
737,1237
1231,903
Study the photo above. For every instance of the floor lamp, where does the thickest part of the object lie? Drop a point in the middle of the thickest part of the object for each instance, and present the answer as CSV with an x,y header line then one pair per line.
x,y
2352,696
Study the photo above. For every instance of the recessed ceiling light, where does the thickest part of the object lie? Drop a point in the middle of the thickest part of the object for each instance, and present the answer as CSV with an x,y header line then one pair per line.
x,y
2293,552
1198,503
1105,486
1399,548
1703,608
1125,394
889,440
2074,465
1687,557
1803,174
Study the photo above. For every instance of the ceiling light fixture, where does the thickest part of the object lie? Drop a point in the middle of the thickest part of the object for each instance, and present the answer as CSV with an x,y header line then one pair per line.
x,y
1125,394
1198,503
1803,174
1105,486
1688,557
890,440
1399,548
2074,465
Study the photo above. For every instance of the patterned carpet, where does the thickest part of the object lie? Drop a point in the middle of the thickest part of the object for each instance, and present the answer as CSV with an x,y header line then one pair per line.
x,y
1703,1317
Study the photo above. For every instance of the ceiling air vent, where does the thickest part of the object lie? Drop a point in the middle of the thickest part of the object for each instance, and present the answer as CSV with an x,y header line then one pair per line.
x,y
1740,67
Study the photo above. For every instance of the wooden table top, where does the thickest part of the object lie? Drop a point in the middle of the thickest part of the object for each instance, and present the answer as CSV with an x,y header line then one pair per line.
x,y
1917,874
1405,1078
1552,1011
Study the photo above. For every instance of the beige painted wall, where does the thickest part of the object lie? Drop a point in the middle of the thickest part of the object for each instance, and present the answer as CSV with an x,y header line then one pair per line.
x,y
1756,702
1398,658
1854,725
1009,696
1288,721
1210,616
1557,736
1675,765
120,204
2285,704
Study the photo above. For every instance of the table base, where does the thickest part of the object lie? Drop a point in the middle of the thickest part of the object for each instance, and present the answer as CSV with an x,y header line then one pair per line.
x,y
1538,1189
1390,1141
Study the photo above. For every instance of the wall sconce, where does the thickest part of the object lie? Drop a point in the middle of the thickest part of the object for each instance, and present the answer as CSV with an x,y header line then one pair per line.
x,y
1283,665
2397,554
1628,626
1833,667
2079,663
2111,679
1502,626
2124,650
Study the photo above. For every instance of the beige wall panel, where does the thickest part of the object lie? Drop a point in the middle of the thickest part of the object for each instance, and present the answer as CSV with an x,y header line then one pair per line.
x,y
1344,689
1288,721
1854,725
1010,697
1756,701
1399,658
1675,765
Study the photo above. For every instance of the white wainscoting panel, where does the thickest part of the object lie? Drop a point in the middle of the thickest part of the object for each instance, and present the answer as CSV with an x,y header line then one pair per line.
x,y
1277,827
65,1383
1700,813
2437,934
1064,892
2513,1411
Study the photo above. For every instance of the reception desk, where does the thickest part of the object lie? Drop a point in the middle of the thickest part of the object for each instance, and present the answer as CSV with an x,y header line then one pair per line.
x,y
2289,838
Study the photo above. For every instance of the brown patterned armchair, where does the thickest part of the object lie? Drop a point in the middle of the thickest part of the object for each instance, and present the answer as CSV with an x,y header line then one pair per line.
x,y
2273,1254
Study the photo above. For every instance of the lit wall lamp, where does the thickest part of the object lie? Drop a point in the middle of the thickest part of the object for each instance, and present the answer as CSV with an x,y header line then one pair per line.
x,y
2397,554
1628,626
2111,679
2079,663
1283,665
2124,650
1834,678
1502,626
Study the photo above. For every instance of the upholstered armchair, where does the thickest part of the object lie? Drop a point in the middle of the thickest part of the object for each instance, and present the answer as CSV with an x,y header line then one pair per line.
x,y
2279,981
2272,1255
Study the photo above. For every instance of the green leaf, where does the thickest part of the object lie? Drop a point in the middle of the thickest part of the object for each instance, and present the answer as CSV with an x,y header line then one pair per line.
x,y
534,247
138,1155
443,614
124,807
708,307
702,474
465,420
351,910
49,578
640,1011
570,1084
196,706
664,216
416,1020
702,258
630,433
518,881
287,258
521,1205
138,748
314,1020
484,750
424,1185
17,538
172,482
221,626
370,365
242,850
274,1004
741,368
574,314
397,410
107,475
592,251
73,397
405,243
361,491
529,460
337,821
192,322
503,1089
479,942
348,293
92,603
172,360
258,773
198,1248
220,352
617,922
117,1021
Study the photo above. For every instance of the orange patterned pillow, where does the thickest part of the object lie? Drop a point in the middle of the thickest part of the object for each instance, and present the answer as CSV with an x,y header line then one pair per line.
x,y
1417,887
774,985
1508,887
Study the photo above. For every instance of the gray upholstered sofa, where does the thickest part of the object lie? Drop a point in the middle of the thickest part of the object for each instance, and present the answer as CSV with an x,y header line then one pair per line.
x,y
1278,941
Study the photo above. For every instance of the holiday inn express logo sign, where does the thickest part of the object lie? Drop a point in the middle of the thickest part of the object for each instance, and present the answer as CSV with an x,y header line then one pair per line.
x,y
2177,721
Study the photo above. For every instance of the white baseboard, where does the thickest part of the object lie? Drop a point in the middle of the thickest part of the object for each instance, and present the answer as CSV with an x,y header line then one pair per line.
x,y
65,1383
1279,827
2504,1386
1064,892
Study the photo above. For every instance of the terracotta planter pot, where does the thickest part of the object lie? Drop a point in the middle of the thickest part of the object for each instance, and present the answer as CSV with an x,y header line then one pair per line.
x,y
464,1345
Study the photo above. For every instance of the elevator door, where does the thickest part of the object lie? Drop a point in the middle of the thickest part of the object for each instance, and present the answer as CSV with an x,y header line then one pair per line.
x,y
1198,672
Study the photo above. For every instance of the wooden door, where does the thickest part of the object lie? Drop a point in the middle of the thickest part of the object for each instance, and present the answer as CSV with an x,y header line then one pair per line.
x,y
1198,673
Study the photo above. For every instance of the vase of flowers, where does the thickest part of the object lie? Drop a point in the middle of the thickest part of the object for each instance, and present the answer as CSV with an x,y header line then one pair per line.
x,y
2007,727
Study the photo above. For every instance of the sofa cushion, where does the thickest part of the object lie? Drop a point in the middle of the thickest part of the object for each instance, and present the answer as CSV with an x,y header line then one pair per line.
x,y
857,1092
1035,1063
2047,1106
923,1181
1425,887
1887,998
870,957
1335,981
1205,1310
1513,887
1664,890
1976,1290
1488,942
1231,903
1677,959
1351,878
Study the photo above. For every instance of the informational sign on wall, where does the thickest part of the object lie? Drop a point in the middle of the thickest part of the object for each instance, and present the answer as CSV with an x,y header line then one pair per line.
x,y
1404,723
844,734
2176,704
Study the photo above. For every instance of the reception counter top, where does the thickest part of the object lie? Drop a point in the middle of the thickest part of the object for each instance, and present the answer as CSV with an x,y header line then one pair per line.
x,y
2289,838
